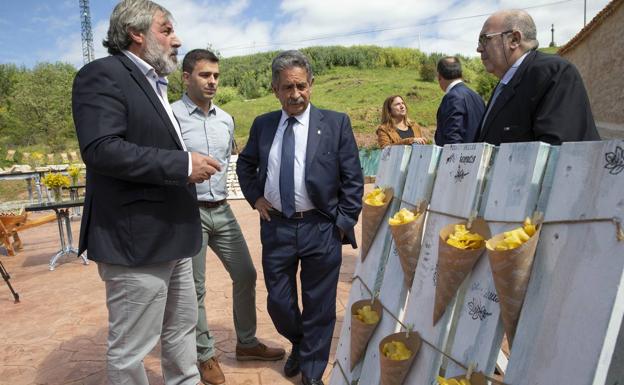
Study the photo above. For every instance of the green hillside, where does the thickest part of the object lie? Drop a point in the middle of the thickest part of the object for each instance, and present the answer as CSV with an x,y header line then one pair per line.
x,y
35,104
551,50
358,92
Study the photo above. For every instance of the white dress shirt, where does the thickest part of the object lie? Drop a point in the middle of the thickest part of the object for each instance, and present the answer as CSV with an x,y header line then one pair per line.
x,y
453,84
503,82
271,187
512,70
161,92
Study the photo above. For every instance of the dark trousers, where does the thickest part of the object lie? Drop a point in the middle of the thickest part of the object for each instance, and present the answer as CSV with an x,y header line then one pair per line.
x,y
315,241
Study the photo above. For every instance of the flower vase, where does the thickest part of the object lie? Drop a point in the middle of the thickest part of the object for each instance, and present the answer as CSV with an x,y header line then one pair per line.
x,y
74,180
56,194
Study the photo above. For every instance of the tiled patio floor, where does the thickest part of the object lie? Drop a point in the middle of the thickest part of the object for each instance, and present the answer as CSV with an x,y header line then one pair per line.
x,y
57,334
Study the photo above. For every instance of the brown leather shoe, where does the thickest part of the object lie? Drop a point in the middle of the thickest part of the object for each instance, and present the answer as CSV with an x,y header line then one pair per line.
x,y
259,352
210,372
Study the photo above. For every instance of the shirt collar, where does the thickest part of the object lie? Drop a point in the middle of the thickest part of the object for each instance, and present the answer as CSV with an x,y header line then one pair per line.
x,y
511,71
301,118
192,107
453,84
145,67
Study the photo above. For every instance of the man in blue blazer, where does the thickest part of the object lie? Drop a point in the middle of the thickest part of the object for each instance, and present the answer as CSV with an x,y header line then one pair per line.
x,y
140,221
461,109
300,169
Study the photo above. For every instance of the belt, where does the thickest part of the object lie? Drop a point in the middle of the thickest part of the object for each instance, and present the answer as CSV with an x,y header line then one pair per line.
x,y
297,215
211,205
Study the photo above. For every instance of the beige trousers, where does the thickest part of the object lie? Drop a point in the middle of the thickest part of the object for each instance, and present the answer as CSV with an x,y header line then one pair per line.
x,y
147,304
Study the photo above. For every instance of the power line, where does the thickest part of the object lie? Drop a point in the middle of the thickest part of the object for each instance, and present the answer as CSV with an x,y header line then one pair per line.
x,y
364,32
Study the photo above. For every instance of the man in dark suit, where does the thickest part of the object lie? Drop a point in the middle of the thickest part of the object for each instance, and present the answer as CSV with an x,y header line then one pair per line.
x,y
461,109
141,221
300,169
539,96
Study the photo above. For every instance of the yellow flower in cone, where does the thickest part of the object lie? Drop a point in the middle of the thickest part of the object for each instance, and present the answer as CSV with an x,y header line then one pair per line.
x,y
375,197
367,315
452,381
515,237
396,351
402,217
463,239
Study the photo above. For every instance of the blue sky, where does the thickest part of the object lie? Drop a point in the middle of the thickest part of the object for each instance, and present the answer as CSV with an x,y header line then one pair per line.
x,y
46,30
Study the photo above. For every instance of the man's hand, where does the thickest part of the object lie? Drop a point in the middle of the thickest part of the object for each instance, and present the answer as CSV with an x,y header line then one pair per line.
x,y
203,167
263,206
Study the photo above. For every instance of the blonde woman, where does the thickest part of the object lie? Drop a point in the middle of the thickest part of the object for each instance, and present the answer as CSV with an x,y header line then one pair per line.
x,y
395,127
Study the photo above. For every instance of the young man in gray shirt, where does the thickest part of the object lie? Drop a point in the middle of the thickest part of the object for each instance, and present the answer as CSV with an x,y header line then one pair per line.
x,y
208,129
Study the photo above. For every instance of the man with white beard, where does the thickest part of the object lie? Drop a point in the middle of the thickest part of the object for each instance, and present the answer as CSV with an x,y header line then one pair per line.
x,y
141,220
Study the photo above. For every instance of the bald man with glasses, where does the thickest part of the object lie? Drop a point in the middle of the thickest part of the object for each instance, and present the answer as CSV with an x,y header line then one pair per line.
x,y
539,97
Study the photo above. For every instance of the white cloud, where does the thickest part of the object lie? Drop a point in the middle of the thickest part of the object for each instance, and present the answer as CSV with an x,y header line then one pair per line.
x,y
235,29
219,25
70,46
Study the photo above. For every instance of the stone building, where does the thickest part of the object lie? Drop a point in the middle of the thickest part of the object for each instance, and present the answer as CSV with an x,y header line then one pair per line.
x,y
598,53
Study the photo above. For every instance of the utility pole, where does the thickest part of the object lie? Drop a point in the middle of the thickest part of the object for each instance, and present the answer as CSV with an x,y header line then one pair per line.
x,y
584,13
86,33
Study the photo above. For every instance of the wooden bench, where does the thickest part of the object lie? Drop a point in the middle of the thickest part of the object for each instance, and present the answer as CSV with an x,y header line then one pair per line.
x,y
11,224
8,228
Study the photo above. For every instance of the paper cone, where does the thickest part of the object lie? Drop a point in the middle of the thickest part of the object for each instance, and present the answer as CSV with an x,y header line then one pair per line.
x,y
476,378
454,265
371,219
511,270
394,372
360,331
407,239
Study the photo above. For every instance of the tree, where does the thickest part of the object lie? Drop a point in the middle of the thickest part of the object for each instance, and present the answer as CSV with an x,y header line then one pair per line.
x,y
40,106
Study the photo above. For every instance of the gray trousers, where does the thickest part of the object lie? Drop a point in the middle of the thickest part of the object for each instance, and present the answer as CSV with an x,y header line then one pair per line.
x,y
147,304
223,234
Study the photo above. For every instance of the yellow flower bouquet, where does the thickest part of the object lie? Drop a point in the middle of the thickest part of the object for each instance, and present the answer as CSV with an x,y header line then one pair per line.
x,y
74,172
55,181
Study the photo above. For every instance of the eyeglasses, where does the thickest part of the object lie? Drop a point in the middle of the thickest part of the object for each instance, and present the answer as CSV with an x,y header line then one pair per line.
x,y
483,39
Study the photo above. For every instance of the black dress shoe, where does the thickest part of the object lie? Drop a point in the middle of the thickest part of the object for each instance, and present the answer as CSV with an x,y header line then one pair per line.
x,y
292,366
311,381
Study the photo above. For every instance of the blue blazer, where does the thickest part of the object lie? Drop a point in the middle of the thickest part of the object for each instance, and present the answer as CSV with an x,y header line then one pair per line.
x,y
333,175
459,116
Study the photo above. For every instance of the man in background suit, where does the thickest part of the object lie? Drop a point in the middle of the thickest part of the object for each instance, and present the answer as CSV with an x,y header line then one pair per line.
x,y
141,221
300,169
539,96
461,109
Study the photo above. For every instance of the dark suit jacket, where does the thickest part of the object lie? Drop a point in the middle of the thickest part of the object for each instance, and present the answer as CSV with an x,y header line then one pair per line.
x,y
333,175
459,116
545,100
139,208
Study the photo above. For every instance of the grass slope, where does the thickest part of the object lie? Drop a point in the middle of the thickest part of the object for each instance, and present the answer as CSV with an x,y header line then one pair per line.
x,y
359,93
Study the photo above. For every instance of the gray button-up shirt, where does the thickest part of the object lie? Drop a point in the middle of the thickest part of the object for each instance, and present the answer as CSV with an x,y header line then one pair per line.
x,y
209,134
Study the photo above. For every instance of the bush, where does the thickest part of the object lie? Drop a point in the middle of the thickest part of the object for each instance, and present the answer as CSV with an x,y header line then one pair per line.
x,y
485,84
250,86
226,95
428,72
